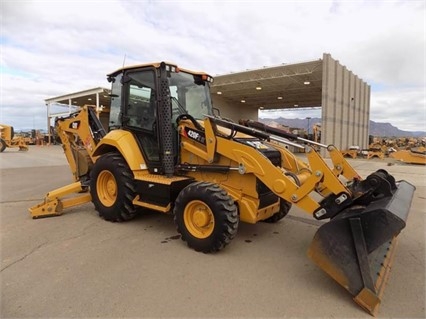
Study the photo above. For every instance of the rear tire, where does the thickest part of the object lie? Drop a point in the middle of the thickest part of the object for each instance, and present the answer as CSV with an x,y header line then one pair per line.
x,y
2,145
112,188
284,209
206,217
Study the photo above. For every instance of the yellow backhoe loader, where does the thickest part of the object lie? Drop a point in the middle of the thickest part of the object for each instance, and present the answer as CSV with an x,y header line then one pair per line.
x,y
168,150
7,139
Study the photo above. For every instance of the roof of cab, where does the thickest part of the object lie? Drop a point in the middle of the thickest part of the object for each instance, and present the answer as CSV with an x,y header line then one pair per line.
x,y
155,65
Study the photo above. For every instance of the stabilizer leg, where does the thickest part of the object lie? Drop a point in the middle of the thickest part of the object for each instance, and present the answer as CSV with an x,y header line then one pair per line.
x,y
54,204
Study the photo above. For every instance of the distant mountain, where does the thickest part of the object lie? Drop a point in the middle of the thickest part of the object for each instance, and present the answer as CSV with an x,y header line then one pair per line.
x,y
387,129
376,129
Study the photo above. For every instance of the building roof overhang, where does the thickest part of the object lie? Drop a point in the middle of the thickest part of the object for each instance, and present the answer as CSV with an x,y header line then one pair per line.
x,y
296,85
96,96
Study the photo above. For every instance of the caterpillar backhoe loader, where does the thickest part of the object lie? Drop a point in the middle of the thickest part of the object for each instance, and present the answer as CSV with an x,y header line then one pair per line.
x,y
165,150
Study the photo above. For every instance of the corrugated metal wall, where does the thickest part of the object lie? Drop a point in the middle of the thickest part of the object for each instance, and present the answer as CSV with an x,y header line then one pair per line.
x,y
345,106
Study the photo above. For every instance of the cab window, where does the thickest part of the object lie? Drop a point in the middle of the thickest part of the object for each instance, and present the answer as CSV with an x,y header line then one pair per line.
x,y
140,109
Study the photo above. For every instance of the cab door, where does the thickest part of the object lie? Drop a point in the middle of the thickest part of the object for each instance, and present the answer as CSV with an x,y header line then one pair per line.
x,y
140,113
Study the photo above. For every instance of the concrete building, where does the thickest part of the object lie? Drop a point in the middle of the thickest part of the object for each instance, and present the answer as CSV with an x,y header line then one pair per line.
x,y
324,83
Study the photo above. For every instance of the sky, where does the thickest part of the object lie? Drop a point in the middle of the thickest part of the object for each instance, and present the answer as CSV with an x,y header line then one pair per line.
x,y
51,48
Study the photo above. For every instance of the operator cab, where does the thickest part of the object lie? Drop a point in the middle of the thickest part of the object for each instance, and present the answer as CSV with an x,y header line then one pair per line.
x,y
147,99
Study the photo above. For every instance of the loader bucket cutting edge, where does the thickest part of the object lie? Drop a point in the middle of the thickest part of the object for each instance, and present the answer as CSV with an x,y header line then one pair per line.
x,y
356,248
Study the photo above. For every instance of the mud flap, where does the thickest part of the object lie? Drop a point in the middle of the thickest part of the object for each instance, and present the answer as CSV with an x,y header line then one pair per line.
x,y
356,247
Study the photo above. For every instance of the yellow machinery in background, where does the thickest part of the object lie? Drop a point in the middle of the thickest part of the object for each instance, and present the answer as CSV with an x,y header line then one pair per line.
x,y
376,150
415,155
352,151
167,150
7,139
316,128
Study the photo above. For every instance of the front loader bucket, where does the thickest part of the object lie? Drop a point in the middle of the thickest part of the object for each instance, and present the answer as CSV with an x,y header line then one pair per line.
x,y
356,247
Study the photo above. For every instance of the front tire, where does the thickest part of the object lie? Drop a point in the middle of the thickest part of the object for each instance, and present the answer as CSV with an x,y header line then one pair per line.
x,y
206,217
112,188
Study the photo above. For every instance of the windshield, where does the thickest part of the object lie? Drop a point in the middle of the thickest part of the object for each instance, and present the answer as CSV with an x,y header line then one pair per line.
x,y
189,95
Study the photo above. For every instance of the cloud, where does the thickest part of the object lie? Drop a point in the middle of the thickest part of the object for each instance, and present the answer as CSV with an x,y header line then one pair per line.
x,y
53,48
404,108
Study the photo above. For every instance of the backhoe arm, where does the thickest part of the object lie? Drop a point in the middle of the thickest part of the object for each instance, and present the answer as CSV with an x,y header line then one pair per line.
x,y
79,133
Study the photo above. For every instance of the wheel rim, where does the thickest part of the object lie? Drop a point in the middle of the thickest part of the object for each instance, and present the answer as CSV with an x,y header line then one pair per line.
x,y
106,186
199,219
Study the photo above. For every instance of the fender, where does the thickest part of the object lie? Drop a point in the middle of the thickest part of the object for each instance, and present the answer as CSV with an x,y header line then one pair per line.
x,y
123,142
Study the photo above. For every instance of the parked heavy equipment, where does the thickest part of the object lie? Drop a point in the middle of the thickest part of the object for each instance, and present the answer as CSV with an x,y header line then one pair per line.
x,y
375,150
352,151
8,139
166,150
415,155
316,129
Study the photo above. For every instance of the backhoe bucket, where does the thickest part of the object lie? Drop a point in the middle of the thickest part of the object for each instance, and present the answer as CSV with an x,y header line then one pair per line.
x,y
356,247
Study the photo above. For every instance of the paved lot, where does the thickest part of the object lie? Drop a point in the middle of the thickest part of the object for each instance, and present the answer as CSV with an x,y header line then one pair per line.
x,y
78,265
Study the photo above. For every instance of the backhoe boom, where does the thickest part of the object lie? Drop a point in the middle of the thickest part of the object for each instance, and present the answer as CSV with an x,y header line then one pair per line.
x,y
79,133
